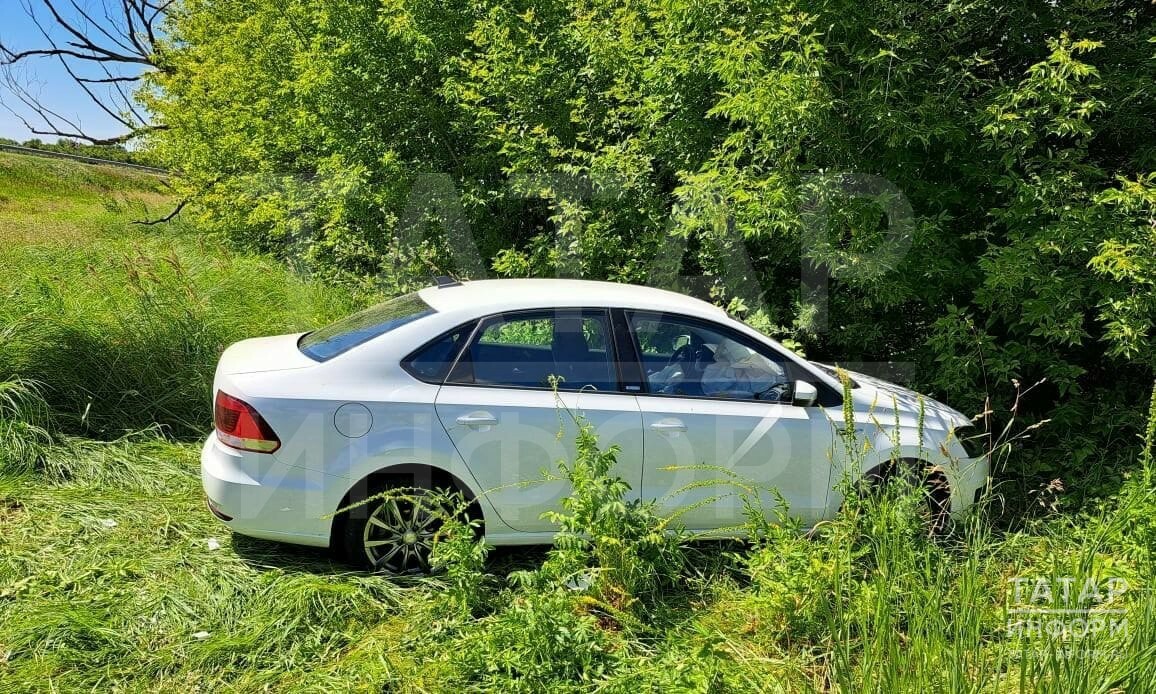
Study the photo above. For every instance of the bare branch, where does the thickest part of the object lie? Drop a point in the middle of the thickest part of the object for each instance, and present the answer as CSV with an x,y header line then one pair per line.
x,y
83,41
74,131
107,80
167,218
158,10
100,27
100,104
12,57
125,99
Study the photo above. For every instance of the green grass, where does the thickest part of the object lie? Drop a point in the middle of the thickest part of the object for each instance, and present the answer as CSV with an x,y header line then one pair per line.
x,y
114,577
48,201
122,327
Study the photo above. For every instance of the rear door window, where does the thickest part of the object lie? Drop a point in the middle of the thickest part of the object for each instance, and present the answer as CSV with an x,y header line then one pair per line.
x,y
525,350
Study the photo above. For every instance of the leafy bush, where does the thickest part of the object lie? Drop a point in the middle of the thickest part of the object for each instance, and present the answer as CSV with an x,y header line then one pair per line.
x,y
620,548
563,623
662,139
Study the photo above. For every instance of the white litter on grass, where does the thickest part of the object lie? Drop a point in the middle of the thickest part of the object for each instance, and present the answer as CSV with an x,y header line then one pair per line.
x,y
108,522
201,635
213,543
580,581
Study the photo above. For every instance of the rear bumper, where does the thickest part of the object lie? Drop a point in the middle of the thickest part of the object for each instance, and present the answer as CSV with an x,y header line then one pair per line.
x,y
267,499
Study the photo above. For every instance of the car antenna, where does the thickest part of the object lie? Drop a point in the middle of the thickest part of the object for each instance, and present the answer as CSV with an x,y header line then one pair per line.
x,y
443,281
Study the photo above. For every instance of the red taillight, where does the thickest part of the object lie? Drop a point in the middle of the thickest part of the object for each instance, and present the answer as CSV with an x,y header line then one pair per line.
x,y
240,426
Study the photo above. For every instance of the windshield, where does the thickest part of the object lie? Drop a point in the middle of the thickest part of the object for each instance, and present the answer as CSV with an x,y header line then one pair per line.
x,y
347,333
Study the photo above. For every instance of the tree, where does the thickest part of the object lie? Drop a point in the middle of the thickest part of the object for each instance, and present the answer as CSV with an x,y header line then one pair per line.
x,y
605,138
104,47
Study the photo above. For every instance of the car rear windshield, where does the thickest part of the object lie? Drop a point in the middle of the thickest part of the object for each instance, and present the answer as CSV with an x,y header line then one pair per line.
x,y
347,333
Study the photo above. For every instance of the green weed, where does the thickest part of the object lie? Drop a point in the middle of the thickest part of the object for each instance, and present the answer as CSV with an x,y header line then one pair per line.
x,y
114,577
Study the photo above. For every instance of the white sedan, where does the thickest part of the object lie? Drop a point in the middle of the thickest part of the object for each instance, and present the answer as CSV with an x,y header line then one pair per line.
x,y
460,387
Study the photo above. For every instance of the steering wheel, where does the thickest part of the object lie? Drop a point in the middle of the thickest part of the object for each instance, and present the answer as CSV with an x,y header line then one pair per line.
x,y
682,354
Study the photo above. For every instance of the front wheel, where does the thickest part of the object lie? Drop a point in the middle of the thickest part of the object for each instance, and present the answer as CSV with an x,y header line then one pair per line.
x,y
935,511
396,532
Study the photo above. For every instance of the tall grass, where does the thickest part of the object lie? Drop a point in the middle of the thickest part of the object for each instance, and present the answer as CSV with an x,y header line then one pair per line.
x,y
121,325
24,422
113,576
125,335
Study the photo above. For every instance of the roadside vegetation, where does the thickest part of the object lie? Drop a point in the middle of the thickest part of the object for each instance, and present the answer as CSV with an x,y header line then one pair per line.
x,y
114,577
65,145
120,323
973,183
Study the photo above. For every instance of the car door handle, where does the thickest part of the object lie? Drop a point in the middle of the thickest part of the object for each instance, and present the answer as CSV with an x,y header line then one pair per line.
x,y
478,419
664,425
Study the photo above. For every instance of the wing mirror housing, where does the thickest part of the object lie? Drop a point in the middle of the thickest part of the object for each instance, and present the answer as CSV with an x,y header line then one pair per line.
x,y
805,394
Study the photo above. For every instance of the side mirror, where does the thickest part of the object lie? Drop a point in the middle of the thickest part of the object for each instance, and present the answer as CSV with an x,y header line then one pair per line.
x,y
805,394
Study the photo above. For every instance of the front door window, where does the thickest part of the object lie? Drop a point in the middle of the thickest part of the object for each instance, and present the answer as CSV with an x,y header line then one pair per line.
x,y
683,357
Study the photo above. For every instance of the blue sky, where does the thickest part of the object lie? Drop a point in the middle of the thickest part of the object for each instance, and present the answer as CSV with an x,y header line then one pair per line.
x,y
45,78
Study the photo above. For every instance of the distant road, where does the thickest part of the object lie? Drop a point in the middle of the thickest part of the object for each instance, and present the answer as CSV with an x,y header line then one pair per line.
x,y
77,157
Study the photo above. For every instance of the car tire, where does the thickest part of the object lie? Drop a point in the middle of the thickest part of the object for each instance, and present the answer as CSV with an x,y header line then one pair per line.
x,y
395,531
937,510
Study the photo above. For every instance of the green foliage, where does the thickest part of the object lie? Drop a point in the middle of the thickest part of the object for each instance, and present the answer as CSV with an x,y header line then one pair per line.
x,y
560,624
620,548
372,143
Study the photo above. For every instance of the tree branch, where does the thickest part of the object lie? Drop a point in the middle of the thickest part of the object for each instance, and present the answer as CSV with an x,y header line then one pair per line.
x,y
167,218
84,42
107,80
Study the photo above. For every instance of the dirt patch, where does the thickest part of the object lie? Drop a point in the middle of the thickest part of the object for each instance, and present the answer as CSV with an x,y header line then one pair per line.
x,y
11,510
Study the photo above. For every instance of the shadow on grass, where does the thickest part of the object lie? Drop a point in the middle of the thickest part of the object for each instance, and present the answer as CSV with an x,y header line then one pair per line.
x,y
709,556
502,561
319,560
279,555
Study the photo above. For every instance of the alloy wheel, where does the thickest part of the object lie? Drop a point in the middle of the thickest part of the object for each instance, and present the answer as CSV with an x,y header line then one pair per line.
x,y
399,533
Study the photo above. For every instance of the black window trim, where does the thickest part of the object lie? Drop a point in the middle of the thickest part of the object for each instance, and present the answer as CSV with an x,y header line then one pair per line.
x,y
832,399
632,375
480,321
407,361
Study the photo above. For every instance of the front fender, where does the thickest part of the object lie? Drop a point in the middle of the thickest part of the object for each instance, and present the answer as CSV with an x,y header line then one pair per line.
x,y
877,447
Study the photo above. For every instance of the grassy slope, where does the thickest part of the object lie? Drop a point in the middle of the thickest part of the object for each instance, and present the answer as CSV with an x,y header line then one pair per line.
x,y
49,201
109,578
123,324
106,574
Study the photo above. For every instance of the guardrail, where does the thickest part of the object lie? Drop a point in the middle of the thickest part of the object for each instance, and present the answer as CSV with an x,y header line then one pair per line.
x,y
76,157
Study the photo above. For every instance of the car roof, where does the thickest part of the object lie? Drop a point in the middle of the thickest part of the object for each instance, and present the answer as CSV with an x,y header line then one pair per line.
x,y
496,296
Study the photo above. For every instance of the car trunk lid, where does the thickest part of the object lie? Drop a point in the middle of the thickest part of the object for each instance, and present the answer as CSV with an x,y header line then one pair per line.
x,y
277,353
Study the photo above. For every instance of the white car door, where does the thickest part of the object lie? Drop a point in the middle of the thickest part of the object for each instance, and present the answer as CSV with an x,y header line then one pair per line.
x,y
716,417
512,428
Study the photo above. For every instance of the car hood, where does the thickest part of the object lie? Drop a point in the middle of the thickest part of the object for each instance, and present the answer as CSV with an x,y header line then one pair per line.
x,y
886,395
